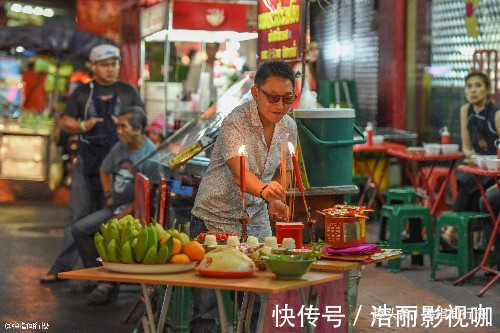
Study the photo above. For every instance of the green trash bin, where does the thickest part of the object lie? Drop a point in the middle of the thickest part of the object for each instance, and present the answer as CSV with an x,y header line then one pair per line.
x,y
326,140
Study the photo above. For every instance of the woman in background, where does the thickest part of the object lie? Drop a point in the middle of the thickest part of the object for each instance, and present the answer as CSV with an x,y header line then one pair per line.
x,y
479,128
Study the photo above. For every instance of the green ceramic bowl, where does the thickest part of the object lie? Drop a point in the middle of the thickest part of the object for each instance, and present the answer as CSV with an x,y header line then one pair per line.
x,y
288,267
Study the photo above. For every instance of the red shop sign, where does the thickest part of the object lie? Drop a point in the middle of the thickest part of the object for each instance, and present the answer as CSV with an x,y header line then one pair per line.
x,y
213,16
280,30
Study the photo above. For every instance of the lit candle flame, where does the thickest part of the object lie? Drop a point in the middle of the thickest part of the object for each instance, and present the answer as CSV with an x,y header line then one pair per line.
x,y
241,151
292,149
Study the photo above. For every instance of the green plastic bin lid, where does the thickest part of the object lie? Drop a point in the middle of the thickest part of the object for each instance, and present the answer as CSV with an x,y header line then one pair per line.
x,y
324,113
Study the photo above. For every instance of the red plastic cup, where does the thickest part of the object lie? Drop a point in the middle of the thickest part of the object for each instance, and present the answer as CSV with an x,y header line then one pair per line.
x,y
289,230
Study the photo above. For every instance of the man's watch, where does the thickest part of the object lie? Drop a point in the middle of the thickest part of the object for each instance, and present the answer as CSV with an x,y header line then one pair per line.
x,y
82,126
107,195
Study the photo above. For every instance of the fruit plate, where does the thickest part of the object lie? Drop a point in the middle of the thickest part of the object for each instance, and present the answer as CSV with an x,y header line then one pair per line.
x,y
224,274
147,269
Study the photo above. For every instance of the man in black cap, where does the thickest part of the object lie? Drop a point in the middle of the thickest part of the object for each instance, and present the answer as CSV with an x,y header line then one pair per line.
x,y
91,113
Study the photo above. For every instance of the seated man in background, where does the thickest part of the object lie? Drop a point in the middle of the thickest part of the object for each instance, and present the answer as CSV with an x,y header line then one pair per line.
x,y
117,179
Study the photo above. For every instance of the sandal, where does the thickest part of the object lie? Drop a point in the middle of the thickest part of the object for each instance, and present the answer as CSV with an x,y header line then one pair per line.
x,y
48,278
100,296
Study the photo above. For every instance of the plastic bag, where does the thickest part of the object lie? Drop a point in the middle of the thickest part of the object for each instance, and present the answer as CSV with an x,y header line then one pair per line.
x,y
308,98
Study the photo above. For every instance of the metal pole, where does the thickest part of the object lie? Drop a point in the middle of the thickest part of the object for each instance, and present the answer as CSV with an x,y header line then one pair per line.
x,y
306,36
142,63
166,69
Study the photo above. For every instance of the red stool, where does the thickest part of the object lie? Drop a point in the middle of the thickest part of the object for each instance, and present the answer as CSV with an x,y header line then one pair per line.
x,y
436,179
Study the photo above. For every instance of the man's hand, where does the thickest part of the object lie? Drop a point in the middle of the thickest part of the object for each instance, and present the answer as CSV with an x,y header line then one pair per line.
x,y
109,201
91,122
273,191
278,209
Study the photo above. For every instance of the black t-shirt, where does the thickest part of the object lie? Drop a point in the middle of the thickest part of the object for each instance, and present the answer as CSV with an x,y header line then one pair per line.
x,y
127,96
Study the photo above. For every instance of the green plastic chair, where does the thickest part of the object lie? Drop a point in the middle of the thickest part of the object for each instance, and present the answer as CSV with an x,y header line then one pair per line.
x,y
394,219
401,195
465,258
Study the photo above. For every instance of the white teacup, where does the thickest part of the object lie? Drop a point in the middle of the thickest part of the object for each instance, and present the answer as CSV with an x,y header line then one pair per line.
x,y
432,149
493,164
449,148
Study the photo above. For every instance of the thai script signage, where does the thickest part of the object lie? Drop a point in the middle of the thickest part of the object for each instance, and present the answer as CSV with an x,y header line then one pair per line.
x,y
280,30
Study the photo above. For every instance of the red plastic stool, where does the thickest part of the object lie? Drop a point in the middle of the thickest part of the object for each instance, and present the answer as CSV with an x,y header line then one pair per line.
x,y
437,178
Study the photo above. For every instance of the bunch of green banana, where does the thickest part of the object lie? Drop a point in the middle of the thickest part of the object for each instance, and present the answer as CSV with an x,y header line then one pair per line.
x,y
127,241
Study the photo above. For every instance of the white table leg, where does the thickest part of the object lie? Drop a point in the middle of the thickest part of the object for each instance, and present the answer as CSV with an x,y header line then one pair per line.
x,y
312,300
225,327
145,325
248,319
262,312
242,313
149,310
164,309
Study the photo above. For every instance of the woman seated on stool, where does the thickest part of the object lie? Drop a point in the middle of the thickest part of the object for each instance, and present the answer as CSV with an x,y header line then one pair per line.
x,y
479,128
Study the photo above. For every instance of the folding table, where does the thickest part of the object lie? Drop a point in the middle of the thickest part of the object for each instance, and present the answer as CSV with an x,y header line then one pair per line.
x,y
420,158
476,171
263,283
374,182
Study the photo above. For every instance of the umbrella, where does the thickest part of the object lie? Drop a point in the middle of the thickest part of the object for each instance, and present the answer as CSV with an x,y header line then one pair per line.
x,y
55,41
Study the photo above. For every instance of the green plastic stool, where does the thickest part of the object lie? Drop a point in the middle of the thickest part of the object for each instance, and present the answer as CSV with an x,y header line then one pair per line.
x,y
465,259
401,195
395,218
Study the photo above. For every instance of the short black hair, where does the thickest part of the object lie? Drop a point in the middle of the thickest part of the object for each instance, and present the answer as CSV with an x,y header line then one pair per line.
x,y
485,78
277,68
137,117
217,45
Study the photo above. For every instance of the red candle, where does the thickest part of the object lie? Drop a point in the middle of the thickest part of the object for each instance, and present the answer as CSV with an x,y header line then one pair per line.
x,y
243,185
296,170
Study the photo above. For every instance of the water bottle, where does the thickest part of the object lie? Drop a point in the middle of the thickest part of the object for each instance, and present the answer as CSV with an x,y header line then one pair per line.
x,y
445,136
369,133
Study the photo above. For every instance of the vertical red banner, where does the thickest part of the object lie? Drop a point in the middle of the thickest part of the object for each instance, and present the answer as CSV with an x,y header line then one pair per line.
x,y
280,26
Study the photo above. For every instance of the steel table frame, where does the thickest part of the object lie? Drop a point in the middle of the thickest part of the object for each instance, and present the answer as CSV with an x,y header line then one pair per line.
x,y
263,283
420,157
475,171
372,181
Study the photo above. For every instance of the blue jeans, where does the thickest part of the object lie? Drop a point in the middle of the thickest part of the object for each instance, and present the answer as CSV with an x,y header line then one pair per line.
x,y
204,300
83,232
83,201
205,309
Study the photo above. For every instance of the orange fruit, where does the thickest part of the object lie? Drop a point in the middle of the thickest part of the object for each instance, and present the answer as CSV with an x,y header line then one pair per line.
x,y
164,239
194,250
177,246
179,259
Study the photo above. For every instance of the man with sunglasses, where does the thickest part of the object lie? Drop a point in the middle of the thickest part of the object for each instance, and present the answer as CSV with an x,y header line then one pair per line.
x,y
262,125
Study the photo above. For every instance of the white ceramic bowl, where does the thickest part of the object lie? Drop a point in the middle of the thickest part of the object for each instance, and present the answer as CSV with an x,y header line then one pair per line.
x,y
480,160
378,139
432,148
493,164
449,148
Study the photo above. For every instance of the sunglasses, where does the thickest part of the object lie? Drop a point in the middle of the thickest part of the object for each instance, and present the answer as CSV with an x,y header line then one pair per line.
x,y
273,98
